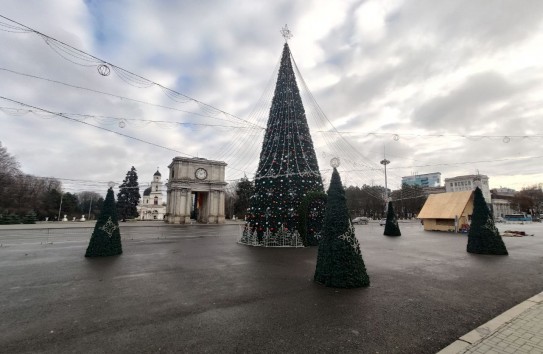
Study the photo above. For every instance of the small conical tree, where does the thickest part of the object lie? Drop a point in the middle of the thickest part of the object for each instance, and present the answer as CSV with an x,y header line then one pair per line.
x,y
483,236
391,227
13,219
30,218
106,237
339,260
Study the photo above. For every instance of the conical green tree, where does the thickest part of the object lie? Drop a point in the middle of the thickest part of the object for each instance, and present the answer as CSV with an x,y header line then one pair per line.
x,y
106,237
483,236
339,260
30,218
391,227
288,168
128,196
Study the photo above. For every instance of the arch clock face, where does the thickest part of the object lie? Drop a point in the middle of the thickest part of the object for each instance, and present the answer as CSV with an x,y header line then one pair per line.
x,y
200,174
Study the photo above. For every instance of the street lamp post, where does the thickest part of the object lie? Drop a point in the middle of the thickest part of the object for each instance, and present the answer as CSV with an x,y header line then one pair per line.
x,y
385,162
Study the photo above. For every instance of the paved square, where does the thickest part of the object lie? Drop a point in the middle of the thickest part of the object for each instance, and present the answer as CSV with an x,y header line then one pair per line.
x,y
193,289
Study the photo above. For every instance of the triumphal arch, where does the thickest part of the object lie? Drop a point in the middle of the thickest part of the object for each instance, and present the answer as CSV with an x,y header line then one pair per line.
x,y
195,191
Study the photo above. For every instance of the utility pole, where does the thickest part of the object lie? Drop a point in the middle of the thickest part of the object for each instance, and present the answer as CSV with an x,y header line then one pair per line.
x,y
90,205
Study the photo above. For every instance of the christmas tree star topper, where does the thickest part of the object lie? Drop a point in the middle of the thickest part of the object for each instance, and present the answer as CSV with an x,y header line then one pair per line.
x,y
286,33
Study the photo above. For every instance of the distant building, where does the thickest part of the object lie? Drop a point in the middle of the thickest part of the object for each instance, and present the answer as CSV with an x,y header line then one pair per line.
x,y
423,180
469,183
503,193
150,207
502,207
501,201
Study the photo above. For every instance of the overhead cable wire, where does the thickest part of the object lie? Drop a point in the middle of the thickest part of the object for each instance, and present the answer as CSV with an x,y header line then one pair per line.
x,y
125,75
92,125
111,94
398,135
96,126
20,111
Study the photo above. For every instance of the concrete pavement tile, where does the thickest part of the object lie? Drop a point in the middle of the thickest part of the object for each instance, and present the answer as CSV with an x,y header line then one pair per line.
x,y
476,334
492,325
537,298
455,347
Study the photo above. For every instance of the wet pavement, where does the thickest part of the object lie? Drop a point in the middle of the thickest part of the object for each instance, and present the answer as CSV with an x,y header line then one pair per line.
x,y
194,289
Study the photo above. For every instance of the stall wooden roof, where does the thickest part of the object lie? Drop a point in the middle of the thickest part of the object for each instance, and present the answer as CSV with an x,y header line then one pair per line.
x,y
445,205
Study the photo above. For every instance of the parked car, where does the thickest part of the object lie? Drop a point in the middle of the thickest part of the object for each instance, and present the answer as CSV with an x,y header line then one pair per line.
x,y
360,220
382,222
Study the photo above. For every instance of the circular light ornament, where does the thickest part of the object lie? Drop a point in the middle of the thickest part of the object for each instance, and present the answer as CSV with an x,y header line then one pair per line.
x,y
122,124
396,137
506,139
335,162
104,70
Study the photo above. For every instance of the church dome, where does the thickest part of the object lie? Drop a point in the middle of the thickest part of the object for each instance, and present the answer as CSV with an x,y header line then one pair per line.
x,y
157,173
147,191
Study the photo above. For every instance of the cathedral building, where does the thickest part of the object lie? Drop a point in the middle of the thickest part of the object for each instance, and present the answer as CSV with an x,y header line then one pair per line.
x,y
151,205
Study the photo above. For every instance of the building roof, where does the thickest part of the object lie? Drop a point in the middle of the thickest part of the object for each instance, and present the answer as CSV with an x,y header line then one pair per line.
x,y
157,173
422,174
445,205
462,178
147,191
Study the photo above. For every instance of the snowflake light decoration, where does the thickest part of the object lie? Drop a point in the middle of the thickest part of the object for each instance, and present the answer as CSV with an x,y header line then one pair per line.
x,y
350,237
109,227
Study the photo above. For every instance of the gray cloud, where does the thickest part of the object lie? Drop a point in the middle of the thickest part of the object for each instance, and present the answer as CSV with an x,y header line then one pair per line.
x,y
381,79
463,107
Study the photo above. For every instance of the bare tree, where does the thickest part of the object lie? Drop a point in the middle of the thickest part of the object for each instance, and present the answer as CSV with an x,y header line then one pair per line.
x,y
8,164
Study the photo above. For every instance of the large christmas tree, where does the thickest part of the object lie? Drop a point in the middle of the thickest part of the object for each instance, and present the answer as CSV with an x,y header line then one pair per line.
x,y
483,236
339,260
288,167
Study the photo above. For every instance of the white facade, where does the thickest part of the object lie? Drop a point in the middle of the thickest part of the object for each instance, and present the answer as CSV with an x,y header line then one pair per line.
x,y
469,183
150,207
502,207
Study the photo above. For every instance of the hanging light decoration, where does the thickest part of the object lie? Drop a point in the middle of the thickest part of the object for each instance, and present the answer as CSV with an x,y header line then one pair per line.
x,y
104,70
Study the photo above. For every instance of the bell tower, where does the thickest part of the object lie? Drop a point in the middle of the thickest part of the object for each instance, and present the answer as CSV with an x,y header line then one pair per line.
x,y
155,197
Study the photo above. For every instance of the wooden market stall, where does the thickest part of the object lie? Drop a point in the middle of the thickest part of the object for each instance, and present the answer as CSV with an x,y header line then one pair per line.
x,y
447,211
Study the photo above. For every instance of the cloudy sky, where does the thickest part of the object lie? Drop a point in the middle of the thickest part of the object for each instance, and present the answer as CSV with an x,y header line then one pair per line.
x,y
439,86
